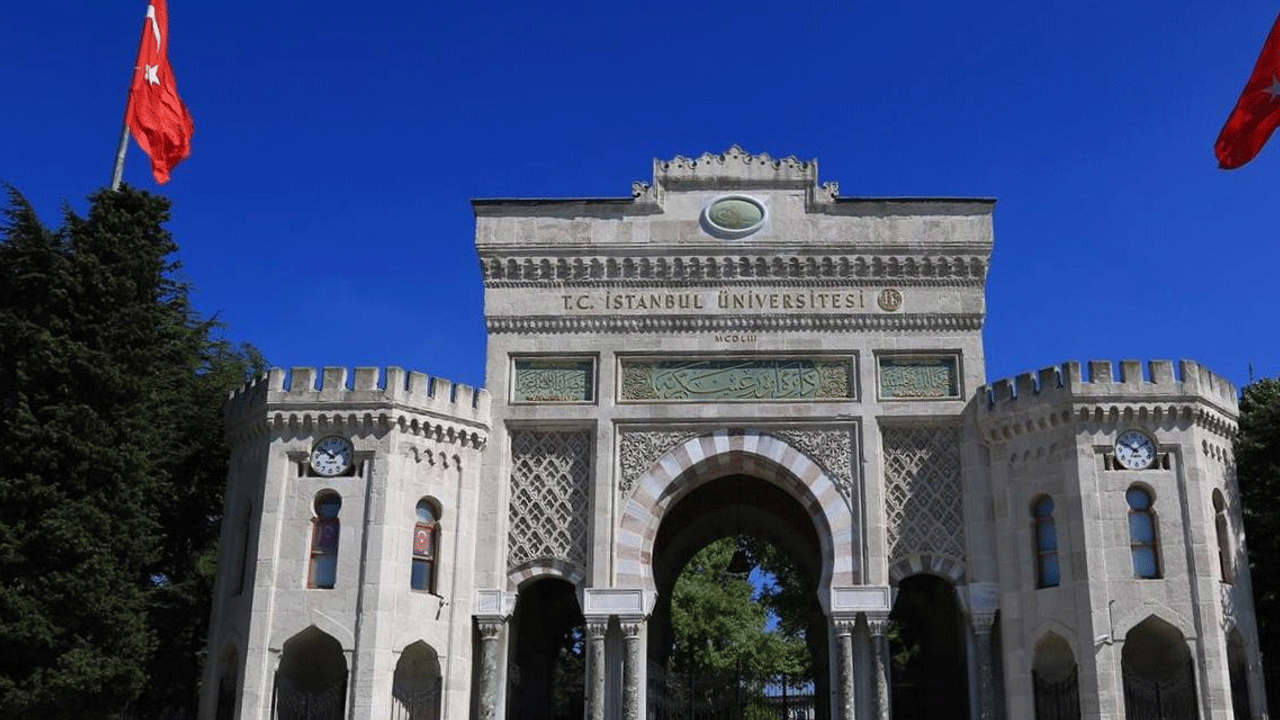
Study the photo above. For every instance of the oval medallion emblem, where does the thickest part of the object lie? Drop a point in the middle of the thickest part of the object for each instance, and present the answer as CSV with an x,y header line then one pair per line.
x,y
734,216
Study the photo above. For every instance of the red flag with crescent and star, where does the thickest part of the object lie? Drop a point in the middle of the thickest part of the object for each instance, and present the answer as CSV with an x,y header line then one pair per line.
x,y
1257,112
156,116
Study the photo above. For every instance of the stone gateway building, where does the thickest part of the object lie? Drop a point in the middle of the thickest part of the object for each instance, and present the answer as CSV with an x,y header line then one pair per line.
x,y
734,349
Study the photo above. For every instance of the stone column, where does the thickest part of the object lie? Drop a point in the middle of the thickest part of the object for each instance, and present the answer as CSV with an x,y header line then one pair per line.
x,y
490,629
982,622
595,668
878,625
632,658
844,652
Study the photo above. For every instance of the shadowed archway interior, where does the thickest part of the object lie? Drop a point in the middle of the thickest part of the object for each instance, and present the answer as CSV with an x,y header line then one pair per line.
x,y
730,506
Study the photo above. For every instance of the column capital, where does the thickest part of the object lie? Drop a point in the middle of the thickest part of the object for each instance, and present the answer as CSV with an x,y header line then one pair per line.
x,y
596,628
982,621
632,626
844,625
490,626
878,624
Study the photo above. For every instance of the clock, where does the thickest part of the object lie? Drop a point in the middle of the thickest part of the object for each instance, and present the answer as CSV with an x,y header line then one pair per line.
x,y
331,456
1135,450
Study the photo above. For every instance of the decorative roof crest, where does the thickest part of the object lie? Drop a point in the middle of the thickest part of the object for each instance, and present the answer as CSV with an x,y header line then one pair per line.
x,y
732,168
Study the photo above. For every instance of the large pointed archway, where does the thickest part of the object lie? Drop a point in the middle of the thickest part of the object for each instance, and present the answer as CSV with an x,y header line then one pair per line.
x,y
731,481
702,459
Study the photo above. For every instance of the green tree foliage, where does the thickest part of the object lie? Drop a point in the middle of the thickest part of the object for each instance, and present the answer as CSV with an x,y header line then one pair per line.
x,y
721,621
1257,452
111,463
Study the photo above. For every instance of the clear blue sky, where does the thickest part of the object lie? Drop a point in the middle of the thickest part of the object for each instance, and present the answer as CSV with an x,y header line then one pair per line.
x,y
324,213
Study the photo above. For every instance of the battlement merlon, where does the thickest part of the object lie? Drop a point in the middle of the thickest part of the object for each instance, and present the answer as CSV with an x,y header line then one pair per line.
x,y
1127,384
341,391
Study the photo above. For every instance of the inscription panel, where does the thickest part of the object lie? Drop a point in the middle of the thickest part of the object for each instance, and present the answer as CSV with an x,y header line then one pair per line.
x,y
919,377
735,379
537,380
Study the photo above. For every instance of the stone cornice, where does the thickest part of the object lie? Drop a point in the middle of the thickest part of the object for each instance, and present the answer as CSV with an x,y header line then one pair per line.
x,y
543,324
964,264
379,418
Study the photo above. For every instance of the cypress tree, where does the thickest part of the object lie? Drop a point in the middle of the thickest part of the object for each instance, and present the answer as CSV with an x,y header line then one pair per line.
x,y
1257,453
107,517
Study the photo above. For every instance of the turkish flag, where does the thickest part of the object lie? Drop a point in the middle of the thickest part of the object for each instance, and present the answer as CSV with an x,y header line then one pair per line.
x,y
156,116
1257,112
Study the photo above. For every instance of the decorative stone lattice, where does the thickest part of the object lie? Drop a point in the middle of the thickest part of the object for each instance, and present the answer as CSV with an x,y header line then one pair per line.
x,y
832,449
924,505
549,496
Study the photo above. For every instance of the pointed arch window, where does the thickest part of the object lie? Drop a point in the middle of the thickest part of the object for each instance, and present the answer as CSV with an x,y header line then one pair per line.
x,y
1048,573
426,530
323,572
1142,534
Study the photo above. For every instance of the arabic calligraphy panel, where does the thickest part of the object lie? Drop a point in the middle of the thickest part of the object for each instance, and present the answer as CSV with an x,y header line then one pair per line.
x,y
915,377
703,380
553,380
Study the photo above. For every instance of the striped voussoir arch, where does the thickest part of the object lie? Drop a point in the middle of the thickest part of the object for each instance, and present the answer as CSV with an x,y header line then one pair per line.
x,y
731,452
941,565
526,572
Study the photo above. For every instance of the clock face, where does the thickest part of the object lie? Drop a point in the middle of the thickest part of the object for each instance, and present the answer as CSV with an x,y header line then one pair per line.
x,y
331,456
1135,450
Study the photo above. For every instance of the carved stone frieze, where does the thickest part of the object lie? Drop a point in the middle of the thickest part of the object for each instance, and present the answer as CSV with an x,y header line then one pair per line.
x,y
545,324
525,271
832,449
638,450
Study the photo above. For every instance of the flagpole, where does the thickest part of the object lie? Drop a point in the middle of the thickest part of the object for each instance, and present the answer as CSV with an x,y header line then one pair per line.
x,y
118,171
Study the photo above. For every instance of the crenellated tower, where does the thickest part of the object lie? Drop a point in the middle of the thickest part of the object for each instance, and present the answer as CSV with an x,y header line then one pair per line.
x,y
1125,569
349,506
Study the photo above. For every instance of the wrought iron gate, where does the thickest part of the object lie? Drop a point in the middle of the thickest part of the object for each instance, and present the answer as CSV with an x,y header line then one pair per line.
x,y
1173,698
728,696
1057,699
294,703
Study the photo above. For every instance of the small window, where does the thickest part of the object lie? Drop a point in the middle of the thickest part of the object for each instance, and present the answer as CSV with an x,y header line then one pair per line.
x,y
242,560
423,572
1223,529
1142,534
1047,571
324,541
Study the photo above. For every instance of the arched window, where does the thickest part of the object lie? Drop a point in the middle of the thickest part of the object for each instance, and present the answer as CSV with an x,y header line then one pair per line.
x,y
1223,529
324,540
1142,534
423,573
1047,572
